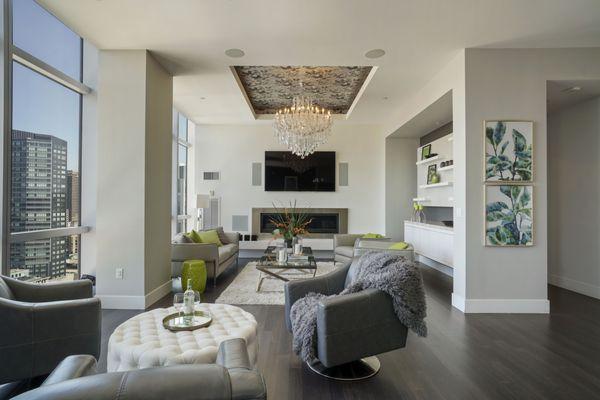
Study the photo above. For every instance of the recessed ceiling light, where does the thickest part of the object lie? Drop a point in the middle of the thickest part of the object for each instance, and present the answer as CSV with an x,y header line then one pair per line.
x,y
202,98
385,98
234,53
375,53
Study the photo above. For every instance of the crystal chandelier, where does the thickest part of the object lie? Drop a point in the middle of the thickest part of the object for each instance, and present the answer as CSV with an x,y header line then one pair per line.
x,y
303,127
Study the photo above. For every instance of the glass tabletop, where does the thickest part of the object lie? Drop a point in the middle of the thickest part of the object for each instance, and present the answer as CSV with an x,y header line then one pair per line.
x,y
306,260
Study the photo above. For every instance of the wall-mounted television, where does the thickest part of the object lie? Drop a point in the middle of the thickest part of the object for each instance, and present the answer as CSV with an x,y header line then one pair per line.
x,y
286,172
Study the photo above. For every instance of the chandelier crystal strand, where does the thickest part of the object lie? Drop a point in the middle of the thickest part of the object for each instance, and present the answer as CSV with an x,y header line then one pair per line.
x,y
303,127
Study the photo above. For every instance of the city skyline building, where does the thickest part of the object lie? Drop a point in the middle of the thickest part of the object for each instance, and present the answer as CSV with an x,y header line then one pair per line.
x,y
39,201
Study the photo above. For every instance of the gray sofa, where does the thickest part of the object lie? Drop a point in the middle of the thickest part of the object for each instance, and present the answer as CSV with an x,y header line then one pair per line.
x,y
43,324
217,258
344,245
232,377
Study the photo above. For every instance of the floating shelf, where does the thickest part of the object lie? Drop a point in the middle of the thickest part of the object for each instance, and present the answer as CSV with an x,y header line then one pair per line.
x,y
433,185
420,199
448,168
451,138
428,160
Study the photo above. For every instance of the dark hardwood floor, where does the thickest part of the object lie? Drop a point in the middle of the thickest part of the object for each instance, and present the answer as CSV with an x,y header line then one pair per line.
x,y
483,356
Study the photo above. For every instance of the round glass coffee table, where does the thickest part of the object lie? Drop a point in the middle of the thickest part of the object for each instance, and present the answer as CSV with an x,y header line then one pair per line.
x,y
143,342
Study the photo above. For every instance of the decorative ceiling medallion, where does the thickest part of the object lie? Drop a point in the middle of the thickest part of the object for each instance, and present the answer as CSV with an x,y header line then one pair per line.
x,y
271,88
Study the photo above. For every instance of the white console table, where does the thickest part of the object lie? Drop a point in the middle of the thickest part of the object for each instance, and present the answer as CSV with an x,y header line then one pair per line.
x,y
435,242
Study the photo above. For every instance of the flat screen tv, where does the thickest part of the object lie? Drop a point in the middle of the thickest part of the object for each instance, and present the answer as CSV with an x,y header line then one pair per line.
x,y
286,172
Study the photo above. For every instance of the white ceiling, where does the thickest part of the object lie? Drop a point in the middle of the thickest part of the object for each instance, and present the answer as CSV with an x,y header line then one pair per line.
x,y
420,37
559,95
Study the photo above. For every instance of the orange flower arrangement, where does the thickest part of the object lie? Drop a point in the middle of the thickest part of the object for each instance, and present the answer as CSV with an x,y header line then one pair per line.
x,y
290,222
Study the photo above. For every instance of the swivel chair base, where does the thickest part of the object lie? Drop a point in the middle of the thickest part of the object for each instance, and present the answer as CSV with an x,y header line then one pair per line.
x,y
352,371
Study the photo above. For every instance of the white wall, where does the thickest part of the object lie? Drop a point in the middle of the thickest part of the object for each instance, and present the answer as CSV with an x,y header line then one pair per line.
x,y
451,77
574,198
231,150
400,183
511,84
134,164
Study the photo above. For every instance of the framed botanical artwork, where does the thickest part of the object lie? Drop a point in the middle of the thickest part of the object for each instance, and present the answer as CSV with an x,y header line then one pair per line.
x,y
425,151
432,174
508,151
508,215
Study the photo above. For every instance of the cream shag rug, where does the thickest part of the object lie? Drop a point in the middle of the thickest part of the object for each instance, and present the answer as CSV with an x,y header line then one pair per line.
x,y
243,288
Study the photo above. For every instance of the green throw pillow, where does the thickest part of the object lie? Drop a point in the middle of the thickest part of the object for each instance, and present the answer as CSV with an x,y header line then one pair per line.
x,y
372,236
210,237
194,236
398,246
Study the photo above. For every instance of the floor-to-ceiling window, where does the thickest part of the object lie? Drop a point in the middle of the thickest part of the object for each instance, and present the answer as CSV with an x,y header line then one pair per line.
x,y
43,189
183,144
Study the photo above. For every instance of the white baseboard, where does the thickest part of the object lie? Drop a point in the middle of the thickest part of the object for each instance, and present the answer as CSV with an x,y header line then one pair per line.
x,y
500,306
118,302
575,285
159,293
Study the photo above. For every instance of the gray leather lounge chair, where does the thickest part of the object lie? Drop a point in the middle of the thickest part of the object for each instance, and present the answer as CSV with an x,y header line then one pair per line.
x,y
43,324
231,377
349,327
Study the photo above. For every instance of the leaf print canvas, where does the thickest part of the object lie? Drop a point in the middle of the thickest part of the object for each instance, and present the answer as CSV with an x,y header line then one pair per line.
x,y
508,151
509,215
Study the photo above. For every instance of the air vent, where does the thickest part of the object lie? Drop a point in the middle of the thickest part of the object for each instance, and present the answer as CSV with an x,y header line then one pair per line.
x,y
212,176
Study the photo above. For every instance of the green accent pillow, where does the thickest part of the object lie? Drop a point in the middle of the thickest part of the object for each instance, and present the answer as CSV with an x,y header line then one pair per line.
x,y
210,237
398,246
372,236
194,236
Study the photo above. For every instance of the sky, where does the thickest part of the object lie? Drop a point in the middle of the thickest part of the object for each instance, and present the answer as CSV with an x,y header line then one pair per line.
x,y
39,104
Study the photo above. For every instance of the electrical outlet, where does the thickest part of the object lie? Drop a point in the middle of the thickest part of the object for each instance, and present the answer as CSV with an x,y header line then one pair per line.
x,y
119,273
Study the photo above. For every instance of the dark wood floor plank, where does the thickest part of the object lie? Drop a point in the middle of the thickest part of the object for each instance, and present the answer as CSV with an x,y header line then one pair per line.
x,y
479,357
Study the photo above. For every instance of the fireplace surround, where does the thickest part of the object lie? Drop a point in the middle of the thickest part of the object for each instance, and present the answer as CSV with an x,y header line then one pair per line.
x,y
326,221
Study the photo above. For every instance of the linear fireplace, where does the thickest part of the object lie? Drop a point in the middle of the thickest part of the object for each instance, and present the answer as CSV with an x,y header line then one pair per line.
x,y
325,221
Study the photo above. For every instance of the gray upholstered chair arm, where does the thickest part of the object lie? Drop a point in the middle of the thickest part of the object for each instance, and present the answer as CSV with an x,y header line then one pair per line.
x,y
246,383
328,284
63,319
345,239
72,367
233,354
34,293
369,307
233,237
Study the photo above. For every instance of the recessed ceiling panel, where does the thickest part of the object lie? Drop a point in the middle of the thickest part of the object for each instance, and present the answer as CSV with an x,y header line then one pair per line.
x,y
270,88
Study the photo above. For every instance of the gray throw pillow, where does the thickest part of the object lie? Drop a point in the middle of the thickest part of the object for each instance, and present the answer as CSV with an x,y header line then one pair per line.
x,y
222,237
181,238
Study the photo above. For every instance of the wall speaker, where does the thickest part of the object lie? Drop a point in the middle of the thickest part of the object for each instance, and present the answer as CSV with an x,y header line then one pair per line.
x,y
256,174
239,223
343,171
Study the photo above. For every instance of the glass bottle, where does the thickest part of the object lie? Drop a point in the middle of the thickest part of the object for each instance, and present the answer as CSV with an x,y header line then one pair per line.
x,y
189,298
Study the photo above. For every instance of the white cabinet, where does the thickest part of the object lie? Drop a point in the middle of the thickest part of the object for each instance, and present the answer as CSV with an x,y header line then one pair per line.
x,y
432,241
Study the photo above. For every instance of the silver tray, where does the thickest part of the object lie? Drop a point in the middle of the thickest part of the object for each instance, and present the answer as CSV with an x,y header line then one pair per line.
x,y
175,322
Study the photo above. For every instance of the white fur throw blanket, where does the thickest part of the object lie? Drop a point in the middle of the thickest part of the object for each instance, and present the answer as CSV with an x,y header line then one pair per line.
x,y
385,271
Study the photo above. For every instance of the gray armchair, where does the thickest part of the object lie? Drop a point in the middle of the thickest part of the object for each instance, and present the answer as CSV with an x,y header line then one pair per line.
x,y
343,246
217,258
42,324
349,327
232,377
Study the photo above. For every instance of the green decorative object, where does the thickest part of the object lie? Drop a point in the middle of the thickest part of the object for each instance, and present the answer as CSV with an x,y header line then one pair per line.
x,y
196,271
194,236
398,246
210,237
373,236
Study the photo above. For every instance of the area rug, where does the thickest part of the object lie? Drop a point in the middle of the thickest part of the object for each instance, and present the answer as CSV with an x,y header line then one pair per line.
x,y
243,288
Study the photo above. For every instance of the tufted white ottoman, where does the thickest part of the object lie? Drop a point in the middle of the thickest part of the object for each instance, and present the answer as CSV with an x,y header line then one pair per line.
x,y
142,342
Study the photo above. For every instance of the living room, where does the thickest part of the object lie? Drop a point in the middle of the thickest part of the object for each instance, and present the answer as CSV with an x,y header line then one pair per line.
x,y
339,200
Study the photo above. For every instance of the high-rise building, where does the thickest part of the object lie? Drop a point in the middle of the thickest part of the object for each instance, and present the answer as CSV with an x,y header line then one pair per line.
x,y
73,214
38,201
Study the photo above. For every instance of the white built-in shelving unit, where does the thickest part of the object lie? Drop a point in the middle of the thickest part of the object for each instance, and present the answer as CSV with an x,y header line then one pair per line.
x,y
436,194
